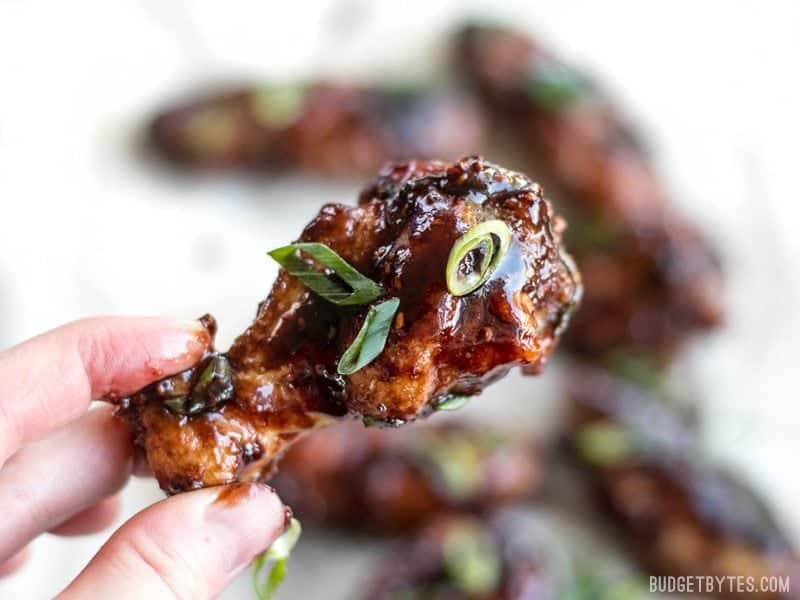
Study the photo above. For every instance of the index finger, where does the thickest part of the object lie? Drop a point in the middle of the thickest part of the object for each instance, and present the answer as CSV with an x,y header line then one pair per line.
x,y
50,380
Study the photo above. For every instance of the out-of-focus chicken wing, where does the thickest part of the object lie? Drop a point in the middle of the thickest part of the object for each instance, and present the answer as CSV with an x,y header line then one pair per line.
x,y
685,515
458,558
651,279
499,557
395,480
326,127
467,278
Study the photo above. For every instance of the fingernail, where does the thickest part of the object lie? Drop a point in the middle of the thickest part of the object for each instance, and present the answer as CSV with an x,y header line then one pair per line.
x,y
250,512
287,516
186,341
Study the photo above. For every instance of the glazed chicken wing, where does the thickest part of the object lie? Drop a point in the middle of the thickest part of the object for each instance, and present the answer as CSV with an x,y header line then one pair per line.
x,y
460,558
498,557
651,278
685,515
471,280
330,128
389,480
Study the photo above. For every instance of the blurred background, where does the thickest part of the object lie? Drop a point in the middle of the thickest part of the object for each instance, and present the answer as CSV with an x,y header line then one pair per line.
x,y
92,223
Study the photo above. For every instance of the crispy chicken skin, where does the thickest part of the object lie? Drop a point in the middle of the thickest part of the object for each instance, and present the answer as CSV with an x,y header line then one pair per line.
x,y
683,515
280,377
651,279
326,127
394,480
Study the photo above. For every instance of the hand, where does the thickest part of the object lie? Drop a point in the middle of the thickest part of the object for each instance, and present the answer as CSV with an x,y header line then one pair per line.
x,y
61,464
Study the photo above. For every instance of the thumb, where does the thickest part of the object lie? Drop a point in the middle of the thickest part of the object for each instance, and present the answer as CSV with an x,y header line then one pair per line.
x,y
187,546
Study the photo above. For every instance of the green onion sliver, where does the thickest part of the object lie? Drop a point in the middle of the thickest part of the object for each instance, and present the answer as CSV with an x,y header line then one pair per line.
x,y
604,444
472,560
452,402
554,86
277,106
371,337
275,559
456,462
475,256
361,290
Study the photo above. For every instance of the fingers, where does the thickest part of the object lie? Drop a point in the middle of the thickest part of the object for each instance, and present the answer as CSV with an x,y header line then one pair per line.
x,y
48,482
93,519
14,563
188,546
141,468
49,381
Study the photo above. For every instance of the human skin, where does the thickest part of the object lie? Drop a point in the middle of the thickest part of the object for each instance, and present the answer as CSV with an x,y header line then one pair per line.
x,y
61,464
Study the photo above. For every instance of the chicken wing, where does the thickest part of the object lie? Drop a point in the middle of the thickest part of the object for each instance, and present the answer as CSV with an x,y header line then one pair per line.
x,y
328,128
651,278
499,557
458,558
685,515
395,480
229,417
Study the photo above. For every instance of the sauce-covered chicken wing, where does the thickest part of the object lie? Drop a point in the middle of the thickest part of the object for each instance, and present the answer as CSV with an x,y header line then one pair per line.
x,y
499,557
389,480
651,278
441,279
685,515
458,558
325,127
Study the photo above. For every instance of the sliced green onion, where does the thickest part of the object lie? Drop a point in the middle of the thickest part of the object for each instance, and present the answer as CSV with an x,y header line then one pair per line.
x,y
456,462
371,337
210,131
471,560
215,384
605,444
385,423
278,105
361,290
594,580
185,405
452,402
275,559
213,387
639,369
475,256
176,405
554,86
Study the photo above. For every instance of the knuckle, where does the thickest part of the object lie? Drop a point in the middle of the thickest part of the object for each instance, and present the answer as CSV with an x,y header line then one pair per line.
x,y
179,576
22,501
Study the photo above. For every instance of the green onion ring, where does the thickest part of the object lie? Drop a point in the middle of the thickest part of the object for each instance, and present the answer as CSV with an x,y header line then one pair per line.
x,y
490,240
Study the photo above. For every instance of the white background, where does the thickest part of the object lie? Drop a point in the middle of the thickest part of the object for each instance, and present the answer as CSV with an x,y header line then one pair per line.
x,y
87,227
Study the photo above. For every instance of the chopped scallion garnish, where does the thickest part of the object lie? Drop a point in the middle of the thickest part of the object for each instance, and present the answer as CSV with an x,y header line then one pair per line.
x,y
555,86
605,444
475,256
275,559
472,560
371,338
452,402
277,106
342,284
